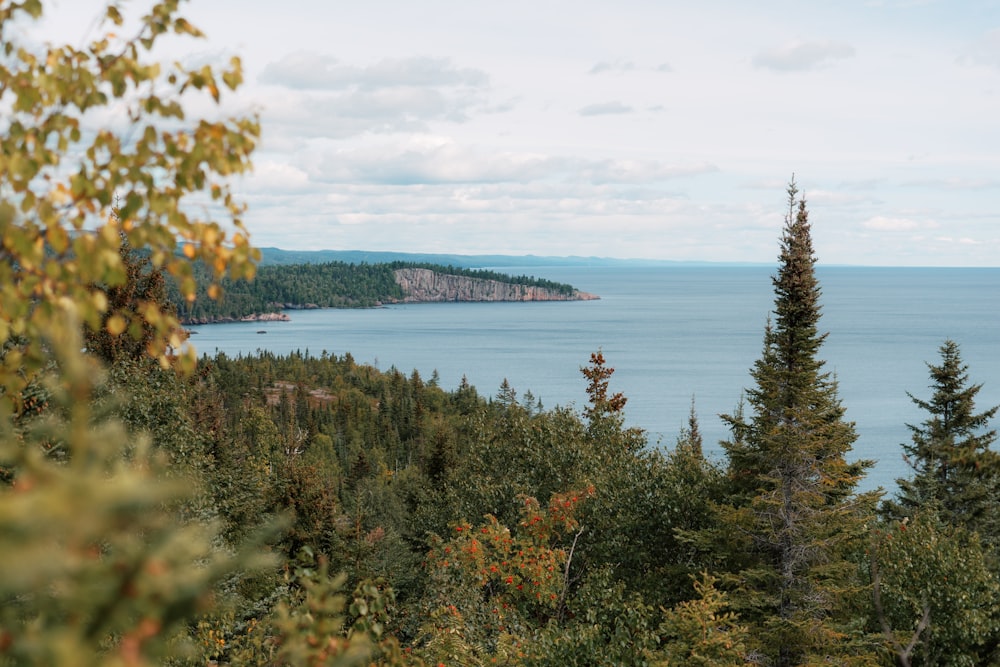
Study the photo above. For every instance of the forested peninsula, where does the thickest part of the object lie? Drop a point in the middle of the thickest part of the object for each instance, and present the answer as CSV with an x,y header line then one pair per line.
x,y
278,288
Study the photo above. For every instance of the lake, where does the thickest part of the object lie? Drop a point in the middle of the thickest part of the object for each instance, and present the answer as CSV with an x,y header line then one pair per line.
x,y
673,334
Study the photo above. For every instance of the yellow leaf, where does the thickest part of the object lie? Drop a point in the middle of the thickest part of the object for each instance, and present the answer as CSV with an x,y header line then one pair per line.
x,y
57,238
189,251
116,325
210,236
100,301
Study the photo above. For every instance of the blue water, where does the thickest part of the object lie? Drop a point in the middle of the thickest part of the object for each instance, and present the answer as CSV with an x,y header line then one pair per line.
x,y
673,333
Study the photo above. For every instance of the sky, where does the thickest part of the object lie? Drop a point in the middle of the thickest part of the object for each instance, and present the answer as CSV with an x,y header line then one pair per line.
x,y
633,129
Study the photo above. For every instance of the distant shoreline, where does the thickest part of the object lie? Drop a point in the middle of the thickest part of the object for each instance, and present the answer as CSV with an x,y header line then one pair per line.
x,y
285,317
278,256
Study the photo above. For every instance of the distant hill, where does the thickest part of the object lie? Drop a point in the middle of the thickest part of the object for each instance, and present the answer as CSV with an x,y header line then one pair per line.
x,y
277,256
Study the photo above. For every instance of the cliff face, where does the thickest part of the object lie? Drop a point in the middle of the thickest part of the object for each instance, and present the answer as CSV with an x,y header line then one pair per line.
x,y
423,285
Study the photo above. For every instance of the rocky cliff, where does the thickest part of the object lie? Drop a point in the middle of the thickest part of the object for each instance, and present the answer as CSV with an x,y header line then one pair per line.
x,y
423,285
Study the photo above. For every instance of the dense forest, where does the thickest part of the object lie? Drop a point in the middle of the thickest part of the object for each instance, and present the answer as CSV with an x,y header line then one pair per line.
x,y
160,509
323,285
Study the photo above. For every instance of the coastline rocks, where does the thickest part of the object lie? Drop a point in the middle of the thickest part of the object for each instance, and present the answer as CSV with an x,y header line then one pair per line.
x,y
424,285
256,317
295,306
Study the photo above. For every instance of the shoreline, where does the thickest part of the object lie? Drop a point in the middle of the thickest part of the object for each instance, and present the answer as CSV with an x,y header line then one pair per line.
x,y
284,317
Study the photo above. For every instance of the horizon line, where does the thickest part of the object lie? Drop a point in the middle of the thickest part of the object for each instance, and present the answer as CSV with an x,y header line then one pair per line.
x,y
598,258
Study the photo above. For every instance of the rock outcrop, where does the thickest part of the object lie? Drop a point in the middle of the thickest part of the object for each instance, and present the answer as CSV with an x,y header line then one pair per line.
x,y
424,285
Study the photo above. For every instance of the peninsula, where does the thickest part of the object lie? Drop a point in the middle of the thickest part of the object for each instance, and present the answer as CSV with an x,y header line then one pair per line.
x,y
279,288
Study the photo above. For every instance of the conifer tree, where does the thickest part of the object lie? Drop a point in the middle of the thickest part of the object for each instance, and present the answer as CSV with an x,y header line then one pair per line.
x,y
793,518
605,413
955,471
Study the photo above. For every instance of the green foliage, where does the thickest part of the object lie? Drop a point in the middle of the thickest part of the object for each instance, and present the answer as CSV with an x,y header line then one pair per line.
x,y
935,596
493,587
155,403
100,567
323,627
603,625
955,473
329,285
509,454
643,518
700,632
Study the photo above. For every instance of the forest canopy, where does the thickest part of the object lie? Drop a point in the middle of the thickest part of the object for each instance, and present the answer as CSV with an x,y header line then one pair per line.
x,y
321,285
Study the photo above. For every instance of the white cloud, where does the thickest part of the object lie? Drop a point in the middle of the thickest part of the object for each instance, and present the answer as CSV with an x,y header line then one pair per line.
x,y
953,183
309,70
615,66
433,160
430,159
305,117
984,51
639,171
271,175
605,108
884,224
494,217
340,114
802,55
957,241
624,66
324,98
836,197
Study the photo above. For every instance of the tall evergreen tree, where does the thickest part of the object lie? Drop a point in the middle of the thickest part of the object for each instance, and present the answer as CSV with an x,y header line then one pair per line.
x,y
954,470
792,518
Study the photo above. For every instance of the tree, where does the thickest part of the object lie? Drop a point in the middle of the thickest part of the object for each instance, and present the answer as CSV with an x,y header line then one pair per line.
x,y
955,471
792,518
100,565
605,414
492,588
934,593
701,632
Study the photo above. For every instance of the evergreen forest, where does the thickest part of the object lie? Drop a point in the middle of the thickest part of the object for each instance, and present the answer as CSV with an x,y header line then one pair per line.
x,y
157,508
320,285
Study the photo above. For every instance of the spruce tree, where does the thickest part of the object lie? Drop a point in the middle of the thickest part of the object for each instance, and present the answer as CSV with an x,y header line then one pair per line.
x,y
792,518
954,469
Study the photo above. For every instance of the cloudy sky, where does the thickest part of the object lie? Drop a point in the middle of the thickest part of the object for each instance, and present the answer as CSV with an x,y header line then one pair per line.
x,y
632,129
